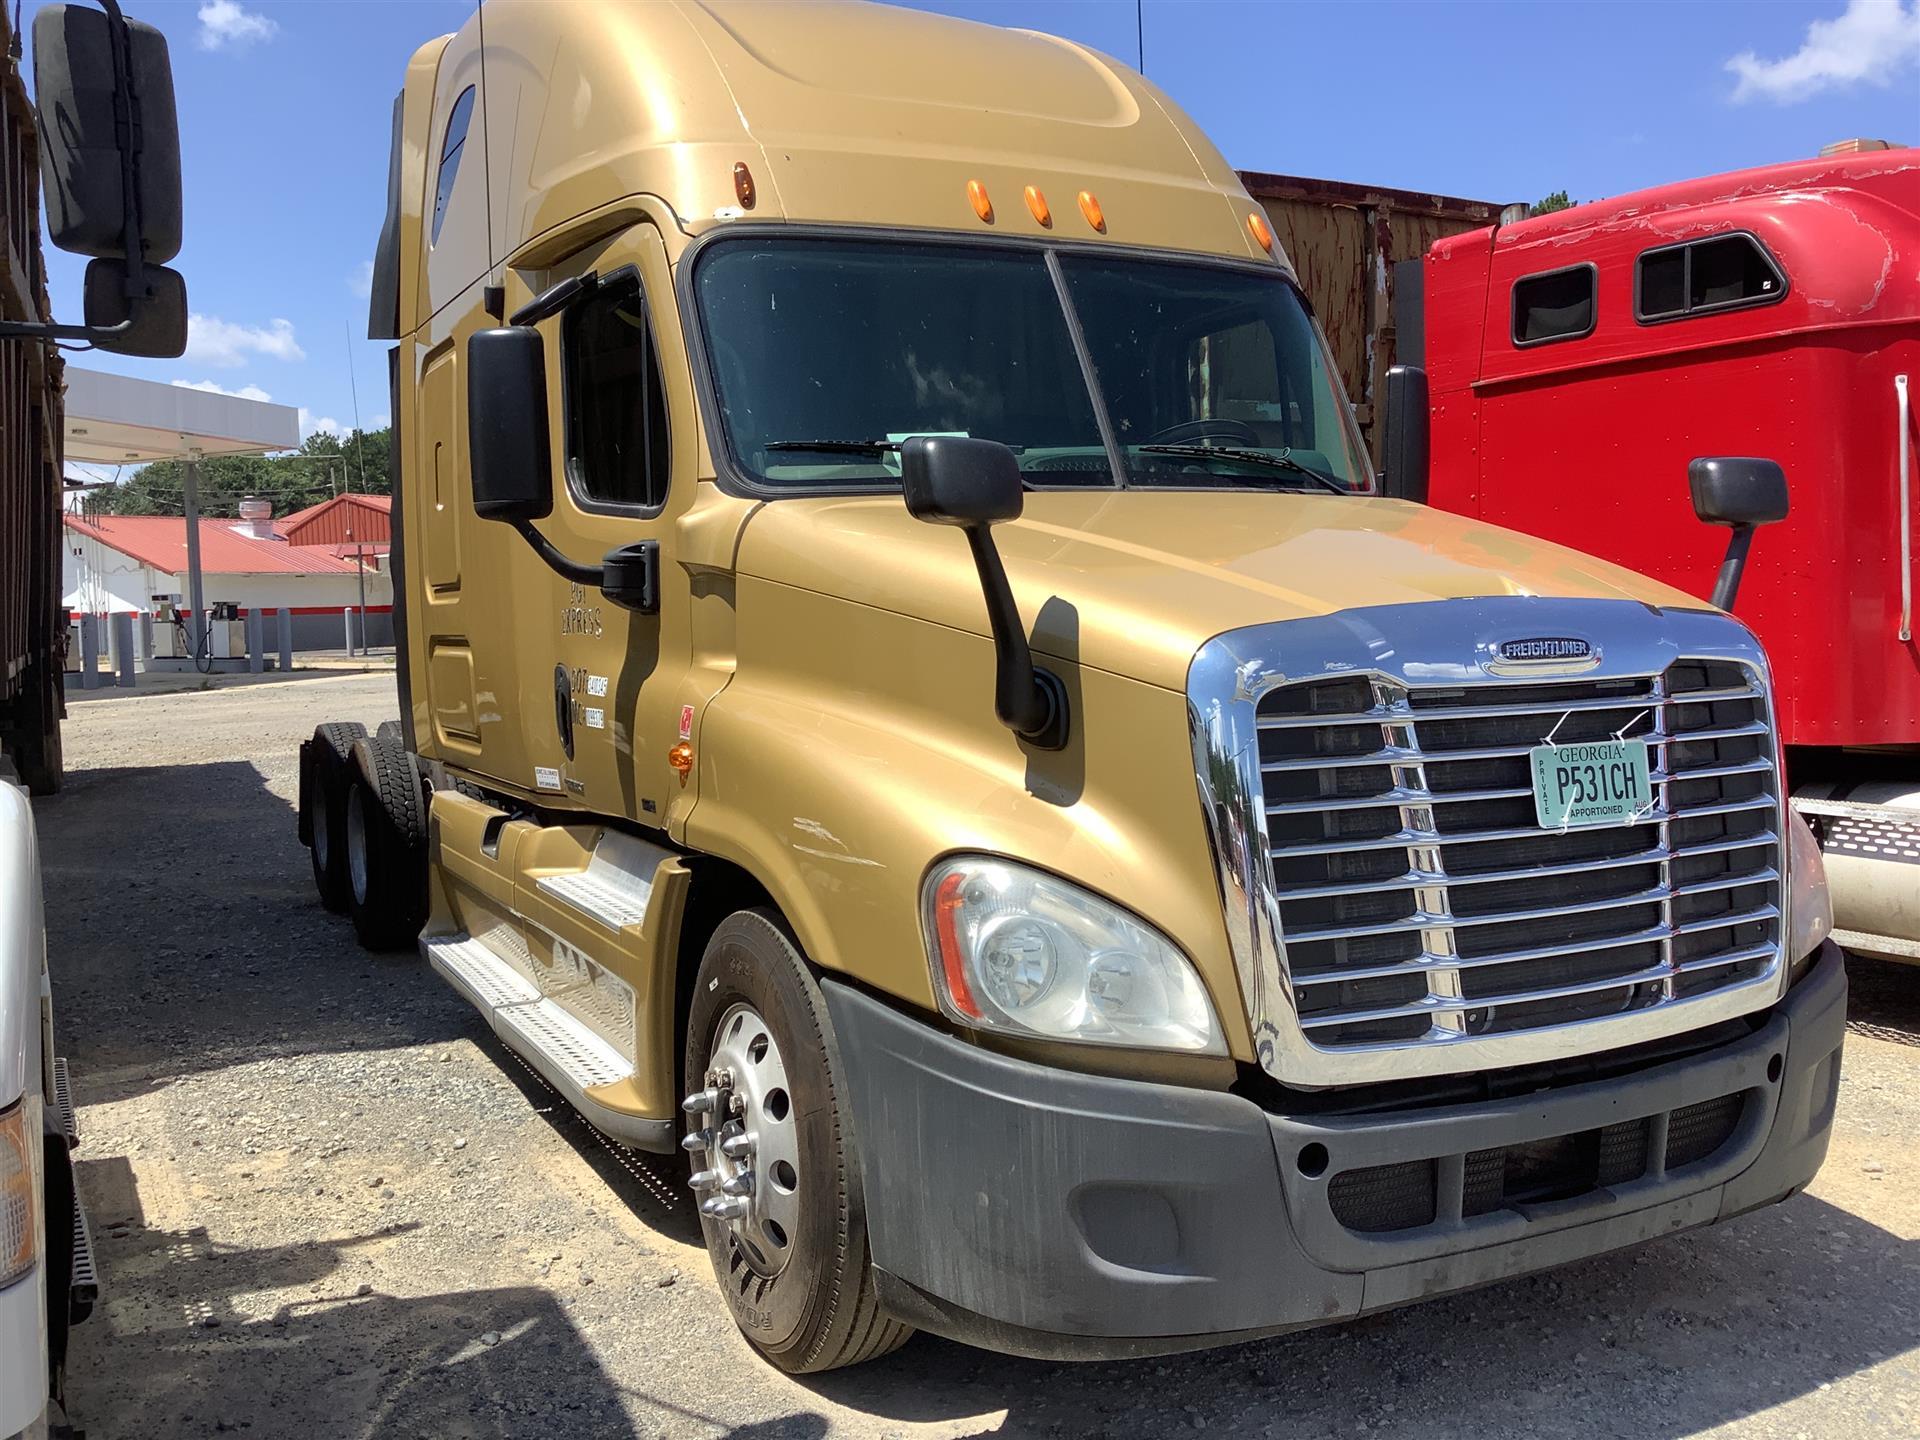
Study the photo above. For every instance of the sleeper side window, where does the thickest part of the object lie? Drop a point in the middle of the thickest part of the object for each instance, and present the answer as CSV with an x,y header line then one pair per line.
x,y
1728,272
616,405
450,150
1555,305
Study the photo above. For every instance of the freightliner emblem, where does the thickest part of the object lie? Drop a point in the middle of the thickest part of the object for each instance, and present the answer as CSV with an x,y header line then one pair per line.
x,y
1546,647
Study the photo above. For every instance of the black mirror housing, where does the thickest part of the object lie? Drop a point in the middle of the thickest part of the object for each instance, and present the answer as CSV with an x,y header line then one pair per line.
x,y
1737,490
1407,452
959,480
84,168
1741,493
509,451
159,328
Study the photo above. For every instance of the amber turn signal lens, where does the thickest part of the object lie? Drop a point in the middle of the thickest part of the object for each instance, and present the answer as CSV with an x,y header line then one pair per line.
x,y
743,185
680,757
1037,203
1090,207
946,908
982,206
1261,231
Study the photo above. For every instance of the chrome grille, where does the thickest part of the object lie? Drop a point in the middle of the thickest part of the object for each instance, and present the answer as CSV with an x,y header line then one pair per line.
x,y
1420,902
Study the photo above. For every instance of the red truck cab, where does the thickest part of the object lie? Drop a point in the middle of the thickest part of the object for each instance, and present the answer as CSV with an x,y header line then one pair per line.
x,y
1579,360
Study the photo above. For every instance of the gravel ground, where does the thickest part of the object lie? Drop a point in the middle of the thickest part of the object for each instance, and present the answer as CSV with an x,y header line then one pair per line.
x,y
328,1203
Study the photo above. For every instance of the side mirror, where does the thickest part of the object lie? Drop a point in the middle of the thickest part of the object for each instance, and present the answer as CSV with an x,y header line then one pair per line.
x,y
1741,493
1406,453
957,480
975,484
158,328
510,457
108,192
509,452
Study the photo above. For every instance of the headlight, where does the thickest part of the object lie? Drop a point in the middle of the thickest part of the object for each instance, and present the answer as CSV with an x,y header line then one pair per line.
x,y
1809,907
19,1232
1017,950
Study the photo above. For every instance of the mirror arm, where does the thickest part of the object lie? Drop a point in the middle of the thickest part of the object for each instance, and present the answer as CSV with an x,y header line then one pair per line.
x,y
1727,586
560,565
38,330
556,298
1029,701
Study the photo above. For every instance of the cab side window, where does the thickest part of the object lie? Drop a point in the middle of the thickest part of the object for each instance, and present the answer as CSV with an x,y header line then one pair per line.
x,y
450,151
1554,305
1727,272
616,405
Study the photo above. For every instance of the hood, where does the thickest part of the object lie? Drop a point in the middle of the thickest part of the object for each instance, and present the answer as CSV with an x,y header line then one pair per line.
x,y
1135,581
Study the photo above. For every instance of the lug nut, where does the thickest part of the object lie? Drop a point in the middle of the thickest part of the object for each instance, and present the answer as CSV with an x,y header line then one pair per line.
x,y
737,1147
704,1179
700,1100
697,1141
731,1208
741,1184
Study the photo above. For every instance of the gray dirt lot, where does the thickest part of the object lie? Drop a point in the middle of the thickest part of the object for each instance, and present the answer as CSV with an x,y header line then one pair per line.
x,y
328,1203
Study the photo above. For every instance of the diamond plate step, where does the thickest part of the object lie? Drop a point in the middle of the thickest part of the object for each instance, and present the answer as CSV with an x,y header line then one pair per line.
x,y
63,1101
564,1050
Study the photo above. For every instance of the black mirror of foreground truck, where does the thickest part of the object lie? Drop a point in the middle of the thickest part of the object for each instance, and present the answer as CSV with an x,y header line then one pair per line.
x,y
110,163
153,326
1742,493
510,461
975,484
509,448
1407,435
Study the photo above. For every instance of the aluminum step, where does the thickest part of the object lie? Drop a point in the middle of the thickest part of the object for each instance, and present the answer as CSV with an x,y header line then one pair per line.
x,y
565,1051
616,885
63,1101
83,1290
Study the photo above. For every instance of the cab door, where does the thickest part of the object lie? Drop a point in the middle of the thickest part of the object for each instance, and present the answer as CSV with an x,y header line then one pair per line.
x,y
621,411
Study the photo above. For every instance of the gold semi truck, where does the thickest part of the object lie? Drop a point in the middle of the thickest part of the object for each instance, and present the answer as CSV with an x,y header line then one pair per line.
x,y
910,693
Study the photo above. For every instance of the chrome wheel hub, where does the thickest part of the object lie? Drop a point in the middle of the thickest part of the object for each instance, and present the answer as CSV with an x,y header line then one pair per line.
x,y
746,1148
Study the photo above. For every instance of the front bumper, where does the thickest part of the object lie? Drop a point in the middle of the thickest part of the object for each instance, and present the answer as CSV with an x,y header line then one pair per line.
x,y
1061,1215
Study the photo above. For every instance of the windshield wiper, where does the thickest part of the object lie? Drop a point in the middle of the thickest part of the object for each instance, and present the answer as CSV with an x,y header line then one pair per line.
x,y
1281,461
848,447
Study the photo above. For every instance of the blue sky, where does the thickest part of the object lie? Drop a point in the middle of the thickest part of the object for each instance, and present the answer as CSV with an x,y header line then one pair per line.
x,y
284,115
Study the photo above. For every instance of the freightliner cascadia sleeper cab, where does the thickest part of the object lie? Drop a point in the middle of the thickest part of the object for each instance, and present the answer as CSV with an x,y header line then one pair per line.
x,y
909,694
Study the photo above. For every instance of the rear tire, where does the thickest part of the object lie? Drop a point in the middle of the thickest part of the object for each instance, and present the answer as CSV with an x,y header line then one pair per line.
x,y
386,853
326,772
817,1309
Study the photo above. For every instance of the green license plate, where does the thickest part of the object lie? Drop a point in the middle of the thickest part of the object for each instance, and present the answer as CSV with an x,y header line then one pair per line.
x,y
1601,782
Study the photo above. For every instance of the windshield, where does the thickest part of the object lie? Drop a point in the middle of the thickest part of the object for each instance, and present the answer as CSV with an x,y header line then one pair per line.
x,y
826,353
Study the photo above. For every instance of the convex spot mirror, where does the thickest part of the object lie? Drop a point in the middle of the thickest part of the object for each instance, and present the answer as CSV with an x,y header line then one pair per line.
x,y
1736,490
960,480
509,451
159,328
82,163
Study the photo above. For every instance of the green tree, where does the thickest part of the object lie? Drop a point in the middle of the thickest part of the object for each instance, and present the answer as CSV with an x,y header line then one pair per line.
x,y
324,466
1556,201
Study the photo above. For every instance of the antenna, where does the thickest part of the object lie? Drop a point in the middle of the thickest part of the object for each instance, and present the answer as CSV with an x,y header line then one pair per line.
x,y
1140,33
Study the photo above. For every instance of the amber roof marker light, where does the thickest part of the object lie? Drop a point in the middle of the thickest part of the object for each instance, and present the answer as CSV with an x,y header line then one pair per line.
x,y
1261,231
743,185
982,206
1037,203
1090,207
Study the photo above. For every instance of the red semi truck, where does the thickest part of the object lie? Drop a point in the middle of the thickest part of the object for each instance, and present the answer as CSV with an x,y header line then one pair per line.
x,y
1577,363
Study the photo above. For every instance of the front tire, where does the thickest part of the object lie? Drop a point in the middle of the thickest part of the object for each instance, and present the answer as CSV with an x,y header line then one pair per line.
x,y
789,1241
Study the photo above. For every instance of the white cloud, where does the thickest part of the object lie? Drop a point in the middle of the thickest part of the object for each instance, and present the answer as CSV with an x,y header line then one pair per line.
x,y
360,282
1870,42
225,25
213,341
245,392
312,424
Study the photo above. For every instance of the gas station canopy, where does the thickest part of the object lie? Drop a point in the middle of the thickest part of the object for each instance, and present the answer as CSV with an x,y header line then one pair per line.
x,y
113,420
